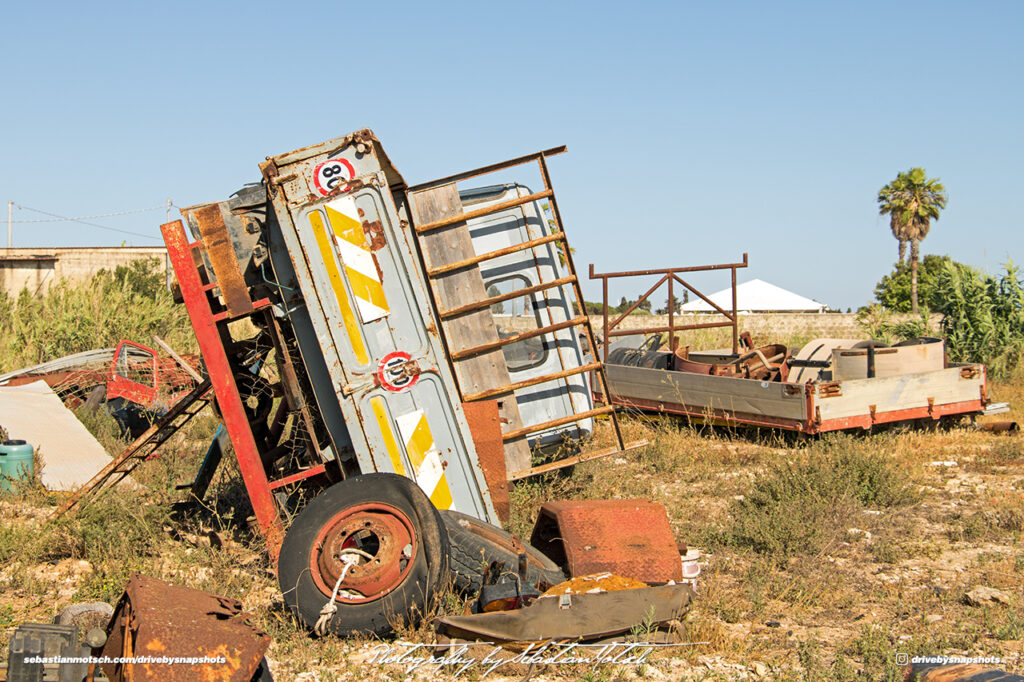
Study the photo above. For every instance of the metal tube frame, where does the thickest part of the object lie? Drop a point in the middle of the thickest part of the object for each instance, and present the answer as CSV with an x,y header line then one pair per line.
x,y
669,275
557,235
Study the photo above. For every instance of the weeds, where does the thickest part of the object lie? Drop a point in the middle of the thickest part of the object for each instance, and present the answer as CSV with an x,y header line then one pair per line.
x,y
802,506
878,653
73,317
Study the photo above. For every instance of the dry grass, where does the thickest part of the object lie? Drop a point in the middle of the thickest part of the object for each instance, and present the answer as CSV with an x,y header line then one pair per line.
x,y
823,558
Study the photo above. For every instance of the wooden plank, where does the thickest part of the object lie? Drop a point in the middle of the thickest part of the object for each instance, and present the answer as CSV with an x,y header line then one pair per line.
x,y
452,289
177,358
223,260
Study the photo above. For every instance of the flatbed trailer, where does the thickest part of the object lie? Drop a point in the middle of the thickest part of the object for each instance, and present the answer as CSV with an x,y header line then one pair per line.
x,y
828,385
810,408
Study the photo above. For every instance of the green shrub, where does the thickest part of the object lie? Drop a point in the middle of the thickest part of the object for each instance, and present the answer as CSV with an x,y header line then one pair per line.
x,y
893,291
74,317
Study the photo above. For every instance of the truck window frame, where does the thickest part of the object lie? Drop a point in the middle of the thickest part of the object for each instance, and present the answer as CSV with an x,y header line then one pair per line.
x,y
522,282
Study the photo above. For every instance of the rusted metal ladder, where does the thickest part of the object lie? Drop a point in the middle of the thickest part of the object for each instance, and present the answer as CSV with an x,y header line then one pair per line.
x,y
180,413
435,270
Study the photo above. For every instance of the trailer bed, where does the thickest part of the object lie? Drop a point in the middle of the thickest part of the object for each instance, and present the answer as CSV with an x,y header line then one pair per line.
x,y
812,407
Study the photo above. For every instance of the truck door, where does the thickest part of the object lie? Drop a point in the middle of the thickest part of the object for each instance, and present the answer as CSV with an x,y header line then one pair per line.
x,y
541,355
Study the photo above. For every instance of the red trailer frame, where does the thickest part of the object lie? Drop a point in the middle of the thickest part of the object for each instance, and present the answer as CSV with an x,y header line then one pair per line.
x,y
209,320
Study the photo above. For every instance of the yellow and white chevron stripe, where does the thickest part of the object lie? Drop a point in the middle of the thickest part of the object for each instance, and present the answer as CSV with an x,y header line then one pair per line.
x,y
348,315
425,458
360,266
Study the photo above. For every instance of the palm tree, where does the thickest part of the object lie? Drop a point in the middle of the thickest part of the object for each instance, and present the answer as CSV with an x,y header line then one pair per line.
x,y
912,201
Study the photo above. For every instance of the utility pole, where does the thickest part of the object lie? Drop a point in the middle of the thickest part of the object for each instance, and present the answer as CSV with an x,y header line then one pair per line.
x,y
167,257
10,222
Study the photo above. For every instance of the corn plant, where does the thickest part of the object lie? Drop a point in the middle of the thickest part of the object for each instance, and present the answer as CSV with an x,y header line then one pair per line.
x,y
983,317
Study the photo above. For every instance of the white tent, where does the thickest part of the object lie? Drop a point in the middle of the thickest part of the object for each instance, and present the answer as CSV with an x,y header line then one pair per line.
x,y
755,296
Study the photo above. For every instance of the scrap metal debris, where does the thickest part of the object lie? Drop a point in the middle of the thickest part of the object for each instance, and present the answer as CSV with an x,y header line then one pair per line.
x,y
158,619
626,537
574,617
595,584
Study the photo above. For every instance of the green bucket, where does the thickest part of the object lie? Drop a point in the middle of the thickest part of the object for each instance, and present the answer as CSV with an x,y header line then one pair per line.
x,y
15,463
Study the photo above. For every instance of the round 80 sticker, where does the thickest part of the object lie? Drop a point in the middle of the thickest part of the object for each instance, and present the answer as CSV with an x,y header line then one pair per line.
x,y
331,173
395,373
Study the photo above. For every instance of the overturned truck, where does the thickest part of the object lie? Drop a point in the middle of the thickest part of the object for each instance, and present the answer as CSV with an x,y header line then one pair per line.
x,y
378,388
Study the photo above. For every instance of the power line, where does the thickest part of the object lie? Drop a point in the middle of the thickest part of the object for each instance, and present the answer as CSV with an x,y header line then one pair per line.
x,y
81,217
102,227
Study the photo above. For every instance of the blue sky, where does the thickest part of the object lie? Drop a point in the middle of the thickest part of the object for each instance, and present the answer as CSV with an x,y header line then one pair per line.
x,y
695,131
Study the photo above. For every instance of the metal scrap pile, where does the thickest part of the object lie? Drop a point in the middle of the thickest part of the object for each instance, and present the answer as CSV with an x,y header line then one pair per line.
x,y
624,568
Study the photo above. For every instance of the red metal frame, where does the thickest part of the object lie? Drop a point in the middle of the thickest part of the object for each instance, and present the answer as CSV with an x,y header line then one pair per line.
x,y
669,276
866,421
122,387
166,376
212,337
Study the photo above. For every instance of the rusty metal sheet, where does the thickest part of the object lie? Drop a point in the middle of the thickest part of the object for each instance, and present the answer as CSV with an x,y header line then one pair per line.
x,y
1000,427
958,672
631,538
574,617
485,426
223,260
156,618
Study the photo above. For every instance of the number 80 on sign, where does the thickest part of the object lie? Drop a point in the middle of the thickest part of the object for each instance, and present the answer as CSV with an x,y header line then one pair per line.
x,y
329,175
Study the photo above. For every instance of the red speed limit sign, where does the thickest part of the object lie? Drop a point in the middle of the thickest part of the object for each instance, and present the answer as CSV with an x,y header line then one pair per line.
x,y
329,175
397,372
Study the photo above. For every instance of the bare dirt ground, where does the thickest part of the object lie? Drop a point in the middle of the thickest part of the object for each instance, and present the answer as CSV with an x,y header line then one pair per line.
x,y
823,559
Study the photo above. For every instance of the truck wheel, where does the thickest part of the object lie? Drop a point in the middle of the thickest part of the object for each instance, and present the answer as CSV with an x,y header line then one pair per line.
x,y
385,516
475,545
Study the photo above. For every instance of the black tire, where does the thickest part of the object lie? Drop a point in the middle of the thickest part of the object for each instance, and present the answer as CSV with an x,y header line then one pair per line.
x,y
390,499
86,616
475,545
263,673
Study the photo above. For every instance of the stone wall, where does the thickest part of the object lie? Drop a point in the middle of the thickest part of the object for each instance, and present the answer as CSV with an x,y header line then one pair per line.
x,y
792,328
760,325
37,269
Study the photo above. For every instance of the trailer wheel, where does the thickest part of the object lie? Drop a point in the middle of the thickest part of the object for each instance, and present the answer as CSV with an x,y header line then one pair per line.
x,y
475,545
402,557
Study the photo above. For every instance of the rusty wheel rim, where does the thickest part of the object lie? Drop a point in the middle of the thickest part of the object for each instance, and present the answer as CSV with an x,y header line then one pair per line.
x,y
382,531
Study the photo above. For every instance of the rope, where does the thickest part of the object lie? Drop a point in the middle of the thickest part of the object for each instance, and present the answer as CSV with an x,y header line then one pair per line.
x,y
349,557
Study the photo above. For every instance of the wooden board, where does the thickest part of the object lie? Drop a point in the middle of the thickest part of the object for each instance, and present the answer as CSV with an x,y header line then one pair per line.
x,y
459,287
223,260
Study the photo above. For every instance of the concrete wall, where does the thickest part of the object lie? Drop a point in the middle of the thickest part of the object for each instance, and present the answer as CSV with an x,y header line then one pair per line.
x,y
38,268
